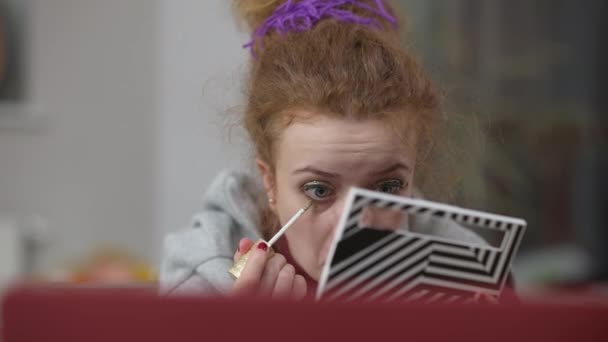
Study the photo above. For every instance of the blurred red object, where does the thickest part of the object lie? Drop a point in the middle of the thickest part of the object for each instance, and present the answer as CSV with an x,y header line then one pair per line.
x,y
118,314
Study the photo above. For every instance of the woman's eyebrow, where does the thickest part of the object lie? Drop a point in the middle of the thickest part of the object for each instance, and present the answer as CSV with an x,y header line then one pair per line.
x,y
392,168
310,169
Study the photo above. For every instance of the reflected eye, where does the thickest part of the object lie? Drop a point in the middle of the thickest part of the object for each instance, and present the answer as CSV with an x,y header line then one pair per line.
x,y
318,191
392,186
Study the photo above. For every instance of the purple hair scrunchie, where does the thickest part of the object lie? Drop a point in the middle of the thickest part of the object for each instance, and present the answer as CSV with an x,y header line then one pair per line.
x,y
302,15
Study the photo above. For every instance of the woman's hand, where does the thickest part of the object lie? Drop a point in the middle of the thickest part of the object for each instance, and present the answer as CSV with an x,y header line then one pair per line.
x,y
267,274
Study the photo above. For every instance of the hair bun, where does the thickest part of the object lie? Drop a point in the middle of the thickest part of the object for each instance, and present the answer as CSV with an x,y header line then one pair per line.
x,y
255,12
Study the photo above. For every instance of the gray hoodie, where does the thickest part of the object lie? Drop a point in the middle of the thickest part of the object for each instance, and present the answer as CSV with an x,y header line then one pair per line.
x,y
197,258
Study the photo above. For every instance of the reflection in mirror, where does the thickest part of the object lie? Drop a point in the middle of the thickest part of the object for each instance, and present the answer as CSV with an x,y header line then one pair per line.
x,y
426,223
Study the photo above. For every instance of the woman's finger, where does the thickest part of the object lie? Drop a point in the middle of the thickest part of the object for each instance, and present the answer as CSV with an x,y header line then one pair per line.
x,y
271,273
249,281
244,245
284,283
299,287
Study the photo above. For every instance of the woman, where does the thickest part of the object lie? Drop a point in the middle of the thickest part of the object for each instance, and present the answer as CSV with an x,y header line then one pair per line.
x,y
334,102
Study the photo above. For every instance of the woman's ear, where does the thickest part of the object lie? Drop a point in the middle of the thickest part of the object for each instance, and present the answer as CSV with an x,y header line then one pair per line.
x,y
268,181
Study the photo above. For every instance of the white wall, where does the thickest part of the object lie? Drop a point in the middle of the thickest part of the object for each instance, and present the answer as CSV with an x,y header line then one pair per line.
x,y
202,66
134,94
90,169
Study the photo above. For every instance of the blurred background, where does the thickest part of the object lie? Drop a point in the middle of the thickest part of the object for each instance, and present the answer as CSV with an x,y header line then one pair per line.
x,y
528,75
115,115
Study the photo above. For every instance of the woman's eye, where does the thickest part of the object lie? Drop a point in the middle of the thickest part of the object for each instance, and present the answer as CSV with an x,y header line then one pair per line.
x,y
317,191
390,187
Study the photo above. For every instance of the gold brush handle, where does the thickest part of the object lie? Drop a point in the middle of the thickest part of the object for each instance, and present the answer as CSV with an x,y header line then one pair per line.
x,y
239,265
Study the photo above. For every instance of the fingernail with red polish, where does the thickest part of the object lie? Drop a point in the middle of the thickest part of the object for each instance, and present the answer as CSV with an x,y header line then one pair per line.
x,y
263,246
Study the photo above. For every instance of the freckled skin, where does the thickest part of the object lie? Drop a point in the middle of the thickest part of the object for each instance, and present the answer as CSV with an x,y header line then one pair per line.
x,y
354,153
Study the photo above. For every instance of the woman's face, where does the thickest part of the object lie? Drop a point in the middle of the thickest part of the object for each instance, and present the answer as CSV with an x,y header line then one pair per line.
x,y
320,159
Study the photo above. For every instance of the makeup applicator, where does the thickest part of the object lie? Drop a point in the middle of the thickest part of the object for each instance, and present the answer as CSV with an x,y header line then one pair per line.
x,y
239,265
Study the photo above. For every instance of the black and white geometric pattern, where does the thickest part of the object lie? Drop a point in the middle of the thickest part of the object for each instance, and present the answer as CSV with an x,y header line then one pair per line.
x,y
380,265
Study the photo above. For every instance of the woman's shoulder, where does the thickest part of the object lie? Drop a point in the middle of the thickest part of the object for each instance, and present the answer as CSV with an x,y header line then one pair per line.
x,y
198,256
237,194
